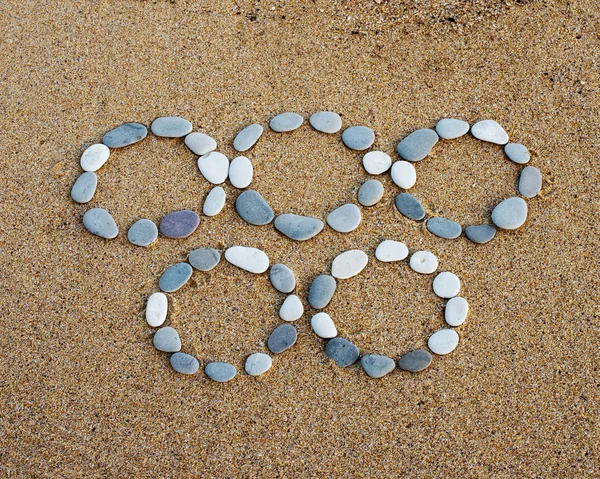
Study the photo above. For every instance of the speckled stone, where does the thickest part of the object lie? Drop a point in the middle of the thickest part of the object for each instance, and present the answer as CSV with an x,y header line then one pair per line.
x,y
84,187
156,309
174,277
100,223
204,259
377,366
417,145
344,219
342,352
409,206
490,131
241,172
291,309
446,285
184,363
415,361
142,233
358,137
404,174
321,291
257,364
530,182
214,166
450,128
376,162
443,228
480,233
456,311
94,157
252,260
510,213
167,340
443,341
517,153
171,127
370,193
214,202
284,122
283,337
179,224
297,227
326,122
253,208
200,143
220,372
349,264
125,135
389,251
248,137
323,326
282,278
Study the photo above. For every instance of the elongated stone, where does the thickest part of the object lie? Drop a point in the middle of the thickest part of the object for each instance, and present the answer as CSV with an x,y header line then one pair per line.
x,y
450,128
342,352
358,137
179,224
84,188
344,219
284,122
204,259
248,137
156,309
376,162
100,223
480,233
249,259
220,372
283,337
142,233
257,364
200,143
443,228
443,341
291,309
517,153
253,208
241,172
171,127
214,166
530,182
415,361
349,264
326,121
94,157
409,206
510,213
282,278
184,363
214,202
167,340
389,250
174,277
297,227
490,131
321,291
124,135
417,145
377,366
323,326
370,193
456,311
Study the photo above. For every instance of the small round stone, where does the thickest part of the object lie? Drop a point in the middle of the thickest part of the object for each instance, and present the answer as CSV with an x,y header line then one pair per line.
x,y
323,326
326,122
125,135
179,224
100,223
376,162
214,202
84,187
443,341
142,233
446,285
404,174
283,122
174,277
517,153
156,309
249,259
530,182
248,137
389,251
94,157
409,206
257,364
423,262
377,366
214,166
291,309
490,131
241,172
510,213
480,233
358,137
200,144
417,145
184,363
415,361
450,128
344,219
321,291
171,127
220,372
456,311
443,228
342,352
370,193
204,259
282,278
349,264
167,340
297,227
253,208
283,337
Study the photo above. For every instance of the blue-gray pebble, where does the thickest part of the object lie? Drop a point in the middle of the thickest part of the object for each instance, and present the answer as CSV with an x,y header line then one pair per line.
x,y
184,363
220,372
171,127
84,188
510,213
142,233
358,137
530,182
248,137
342,352
326,121
283,122
125,135
253,208
344,219
167,340
443,228
517,153
377,366
282,278
370,193
283,337
417,145
100,223
480,233
451,128
204,259
297,227
175,277
409,206
321,291
415,361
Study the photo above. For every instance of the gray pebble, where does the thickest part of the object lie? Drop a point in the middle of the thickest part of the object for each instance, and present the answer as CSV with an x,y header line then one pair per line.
x,y
480,233
142,233
179,224
530,182
248,137
200,143
443,228
253,208
370,193
344,219
282,278
258,363
220,372
125,135
377,366
84,188
167,340
409,206
450,128
100,223
174,277
417,145
285,122
342,352
321,291
517,153
204,259
415,361
184,363
510,213
358,137
326,121
171,127
297,227
283,337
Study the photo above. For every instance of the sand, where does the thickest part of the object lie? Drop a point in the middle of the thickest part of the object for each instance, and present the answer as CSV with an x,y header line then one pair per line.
x,y
84,394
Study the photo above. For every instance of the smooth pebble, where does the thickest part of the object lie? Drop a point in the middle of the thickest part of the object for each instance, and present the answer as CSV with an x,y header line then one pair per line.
x,y
297,227
184,363
84,187
446,285
283,122
358,137
370,193
418,144
156,309
282,278
220,372
326,121
214,202
490,131
423,262
517,153
174,277
456,311
200,143
100,223
342,352
214,166
390,250
171,127
376,162
415,361
249,259
443,341
404,174
291,309
323,326
248,137
204,259
349,264
377,366
167,340
179,224
142,233
257,364
530,182
253,208
450,128
344,219
321,291
510,213
480,233
125,135
283,337
241,172
443,228
409,206
94,157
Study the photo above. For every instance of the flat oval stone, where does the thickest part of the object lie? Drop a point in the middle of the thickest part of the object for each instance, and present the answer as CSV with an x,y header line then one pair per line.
x,y
156,309
124,135
199,143
323,326
249,259
443,341
370,193
321,291
257,364
404,174
530,182
174,277
510,213
283,122
204,259
94,157
344,219
456,311
214,202
342,352
291,309
349,264
282,278
326,121
253,208
184,363
142,233
443,228
409,206
446,285
100,223
389,250
490,131
376,162
241,172
220,372
248,137
423,262
480,233
171,127
297,227
377,366
415,361
450,128
418,144
84,187
283,337
517,153
167,340
358,137
214,166
179,224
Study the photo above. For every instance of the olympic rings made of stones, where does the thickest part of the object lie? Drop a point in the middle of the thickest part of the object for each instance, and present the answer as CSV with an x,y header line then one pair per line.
x,y
343,353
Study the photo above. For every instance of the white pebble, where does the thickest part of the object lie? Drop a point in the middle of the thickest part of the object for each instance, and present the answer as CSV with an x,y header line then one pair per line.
x,y
446,285
457,310
489,130
200,143
404,174
389,250
323,326
156,309
214,166
249,259
423,262
214,202
377,162
349,264
291,309
94,157
443,341
240,172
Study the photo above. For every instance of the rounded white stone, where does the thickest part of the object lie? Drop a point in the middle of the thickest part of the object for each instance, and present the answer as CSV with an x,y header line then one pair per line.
x,y
389,250
446,285
376,162
489,130
258,363
404,174
156,309
423,262
240,172
291,309
214,166
249,259
323,326
456,311
214,202
443,341
94,157
200,143
349,264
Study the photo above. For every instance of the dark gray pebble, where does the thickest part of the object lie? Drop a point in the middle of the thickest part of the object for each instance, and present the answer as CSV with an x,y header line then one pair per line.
x,y
179,224
204,259
418,144
125,135
297,227
409,206
480,233
342,352
415,361
282,278
282,338
443,228
184,363
174,277
253,208
321,291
